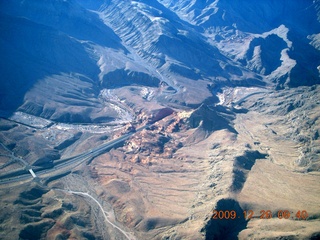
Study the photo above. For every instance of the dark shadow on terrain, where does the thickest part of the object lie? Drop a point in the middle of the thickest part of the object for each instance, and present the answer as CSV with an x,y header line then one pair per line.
x,y
31,52
271,48
224,229
212,118
305,72
240,110
36,231
91,4
208,118
217,86
242,166
315,236
58,176
266,16
34,193
122,77
68,142
37,216
248,159
30,205
46,158
213,99
68,17
149,224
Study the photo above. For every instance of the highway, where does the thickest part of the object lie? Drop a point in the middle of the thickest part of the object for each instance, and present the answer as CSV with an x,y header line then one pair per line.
x,y
63,165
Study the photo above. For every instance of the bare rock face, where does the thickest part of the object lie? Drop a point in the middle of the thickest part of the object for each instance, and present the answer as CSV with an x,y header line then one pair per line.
x,y
154,142
244,29
149,43
47,214
140,118
211,119
242,166
225,229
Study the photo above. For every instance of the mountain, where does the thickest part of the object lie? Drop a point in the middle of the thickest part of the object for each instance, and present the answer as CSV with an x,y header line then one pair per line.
x,y
267,37
165,41
221,98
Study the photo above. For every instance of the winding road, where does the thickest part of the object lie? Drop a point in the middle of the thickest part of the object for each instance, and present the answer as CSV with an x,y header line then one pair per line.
x,y
128,235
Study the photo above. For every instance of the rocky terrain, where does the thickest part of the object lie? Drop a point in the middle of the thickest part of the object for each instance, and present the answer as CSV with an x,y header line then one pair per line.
x,y
217,104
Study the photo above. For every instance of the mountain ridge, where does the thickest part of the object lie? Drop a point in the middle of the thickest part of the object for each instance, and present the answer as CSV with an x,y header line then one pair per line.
x,y
218,102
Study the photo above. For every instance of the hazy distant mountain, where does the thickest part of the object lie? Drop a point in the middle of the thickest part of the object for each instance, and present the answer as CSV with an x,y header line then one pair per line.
x,y
120,43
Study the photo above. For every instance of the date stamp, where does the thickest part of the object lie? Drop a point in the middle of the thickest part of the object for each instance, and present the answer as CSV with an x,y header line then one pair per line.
x,y
264,214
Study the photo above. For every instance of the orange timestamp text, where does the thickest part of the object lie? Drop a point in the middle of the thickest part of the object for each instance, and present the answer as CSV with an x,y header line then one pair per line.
x,y
264,214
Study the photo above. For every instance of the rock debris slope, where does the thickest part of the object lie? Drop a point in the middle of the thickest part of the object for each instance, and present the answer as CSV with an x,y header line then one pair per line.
x,y
231,89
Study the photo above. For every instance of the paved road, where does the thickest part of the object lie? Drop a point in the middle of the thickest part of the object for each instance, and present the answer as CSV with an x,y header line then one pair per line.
x,y
66,164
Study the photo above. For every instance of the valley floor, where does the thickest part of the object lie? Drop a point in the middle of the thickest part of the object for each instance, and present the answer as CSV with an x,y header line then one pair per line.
x,y
166,180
